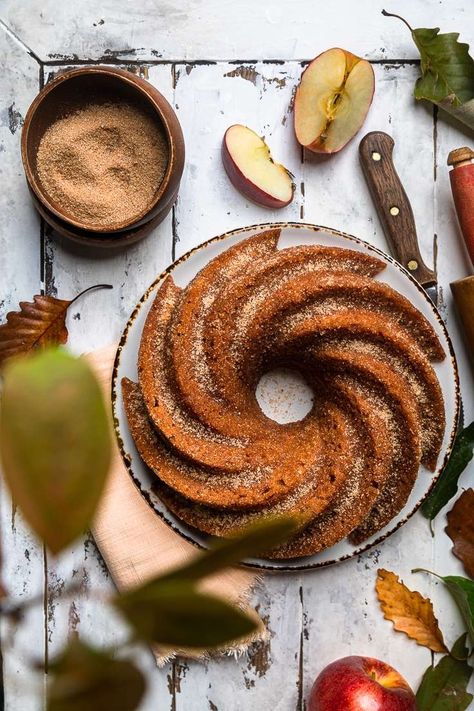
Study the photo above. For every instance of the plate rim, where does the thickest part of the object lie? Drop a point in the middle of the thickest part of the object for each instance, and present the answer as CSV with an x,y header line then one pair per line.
x,y
266,564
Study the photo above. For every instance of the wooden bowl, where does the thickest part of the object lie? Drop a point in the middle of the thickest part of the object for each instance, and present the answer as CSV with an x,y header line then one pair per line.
x,y
73,90
103,240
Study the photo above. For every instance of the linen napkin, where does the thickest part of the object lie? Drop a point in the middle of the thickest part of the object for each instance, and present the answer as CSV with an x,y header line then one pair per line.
x,y
137,545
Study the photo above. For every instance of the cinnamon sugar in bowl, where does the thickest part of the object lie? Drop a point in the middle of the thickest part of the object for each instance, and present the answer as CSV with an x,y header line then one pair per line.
x,y
103,154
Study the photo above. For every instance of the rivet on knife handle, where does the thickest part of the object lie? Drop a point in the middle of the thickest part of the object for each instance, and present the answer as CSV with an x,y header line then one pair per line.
x,y
393,206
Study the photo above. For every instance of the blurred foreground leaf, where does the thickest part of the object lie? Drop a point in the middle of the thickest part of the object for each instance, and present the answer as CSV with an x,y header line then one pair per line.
x,y
252,540
84,678
176,614
170,610
54,443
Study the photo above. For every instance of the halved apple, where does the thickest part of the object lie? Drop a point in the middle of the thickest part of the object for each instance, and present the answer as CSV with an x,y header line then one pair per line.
x,y
332,100
251,169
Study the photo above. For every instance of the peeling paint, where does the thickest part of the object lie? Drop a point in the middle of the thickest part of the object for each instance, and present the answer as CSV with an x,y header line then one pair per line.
x,y
259,654
73,618
12,118
178,673
90,549
249,73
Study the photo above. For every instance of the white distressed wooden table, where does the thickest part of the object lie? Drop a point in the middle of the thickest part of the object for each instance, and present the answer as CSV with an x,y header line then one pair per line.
x,y
221,62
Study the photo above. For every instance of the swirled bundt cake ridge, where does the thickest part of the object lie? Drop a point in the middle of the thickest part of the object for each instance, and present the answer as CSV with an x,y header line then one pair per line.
x,y
365,350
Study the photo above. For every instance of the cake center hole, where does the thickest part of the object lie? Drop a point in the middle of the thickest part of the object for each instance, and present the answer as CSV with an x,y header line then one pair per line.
x,y
284,395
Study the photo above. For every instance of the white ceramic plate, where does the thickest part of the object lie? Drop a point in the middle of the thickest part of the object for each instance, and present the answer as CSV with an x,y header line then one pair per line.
x,y
183,270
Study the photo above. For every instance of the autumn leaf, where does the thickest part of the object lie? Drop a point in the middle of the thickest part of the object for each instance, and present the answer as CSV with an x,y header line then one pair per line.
x,y
409,611
41,322
444,686
460,529
447,71
86,678
55,443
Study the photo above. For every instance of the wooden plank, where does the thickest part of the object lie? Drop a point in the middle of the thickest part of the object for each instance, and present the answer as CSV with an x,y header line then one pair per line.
x,y
453,263
95,322
22,564
259,96
224,30
336,195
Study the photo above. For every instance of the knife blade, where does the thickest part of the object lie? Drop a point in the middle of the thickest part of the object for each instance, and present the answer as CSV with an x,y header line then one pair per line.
x,y
393,208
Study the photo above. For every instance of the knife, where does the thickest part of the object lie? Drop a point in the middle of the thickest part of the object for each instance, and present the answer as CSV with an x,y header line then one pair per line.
x,y
393,207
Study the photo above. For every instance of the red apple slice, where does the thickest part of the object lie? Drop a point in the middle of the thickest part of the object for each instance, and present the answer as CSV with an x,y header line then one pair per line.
x,y
332,100
251,169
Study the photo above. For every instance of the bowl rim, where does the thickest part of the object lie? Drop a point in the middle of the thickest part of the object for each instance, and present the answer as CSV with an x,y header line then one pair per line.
x,y
147,91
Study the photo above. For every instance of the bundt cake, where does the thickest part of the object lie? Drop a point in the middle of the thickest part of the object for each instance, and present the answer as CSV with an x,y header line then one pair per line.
x,y
349,466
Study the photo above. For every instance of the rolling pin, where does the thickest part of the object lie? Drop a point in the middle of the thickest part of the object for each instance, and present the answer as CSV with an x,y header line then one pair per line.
x,y
462,186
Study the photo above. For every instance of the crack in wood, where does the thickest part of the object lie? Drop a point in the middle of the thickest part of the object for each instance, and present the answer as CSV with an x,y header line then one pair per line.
x,y
300,704
8,30
125,59
178,673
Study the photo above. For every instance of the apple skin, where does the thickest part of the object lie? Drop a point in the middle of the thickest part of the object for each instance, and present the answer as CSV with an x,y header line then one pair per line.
x,y
318,145
242,184
360,684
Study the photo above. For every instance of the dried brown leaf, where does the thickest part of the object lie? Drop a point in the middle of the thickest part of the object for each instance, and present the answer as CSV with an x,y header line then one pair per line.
x,y
39,323
409,611
460,529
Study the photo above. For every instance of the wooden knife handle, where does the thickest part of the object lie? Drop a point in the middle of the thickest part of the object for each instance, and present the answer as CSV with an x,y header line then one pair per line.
x,y
393,206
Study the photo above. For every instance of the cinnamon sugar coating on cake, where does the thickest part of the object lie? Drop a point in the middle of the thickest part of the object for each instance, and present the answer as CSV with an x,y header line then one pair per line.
x,y
350,465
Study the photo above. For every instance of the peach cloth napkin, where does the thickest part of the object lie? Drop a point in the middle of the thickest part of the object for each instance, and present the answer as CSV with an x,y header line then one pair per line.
x,y
137,545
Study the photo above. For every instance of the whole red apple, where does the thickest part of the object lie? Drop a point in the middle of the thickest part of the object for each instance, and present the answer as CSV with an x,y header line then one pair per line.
x,y
360,684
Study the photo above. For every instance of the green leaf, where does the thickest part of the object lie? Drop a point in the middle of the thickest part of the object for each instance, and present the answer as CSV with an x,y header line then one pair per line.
x,y
176,614
443,687
54,443
447,68
447,484
169,610
462,590
464,113
447,71
254,539
86,678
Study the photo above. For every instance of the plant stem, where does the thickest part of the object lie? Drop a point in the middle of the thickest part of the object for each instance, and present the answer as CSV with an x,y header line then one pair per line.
x,y
90,288
424,570
392,14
